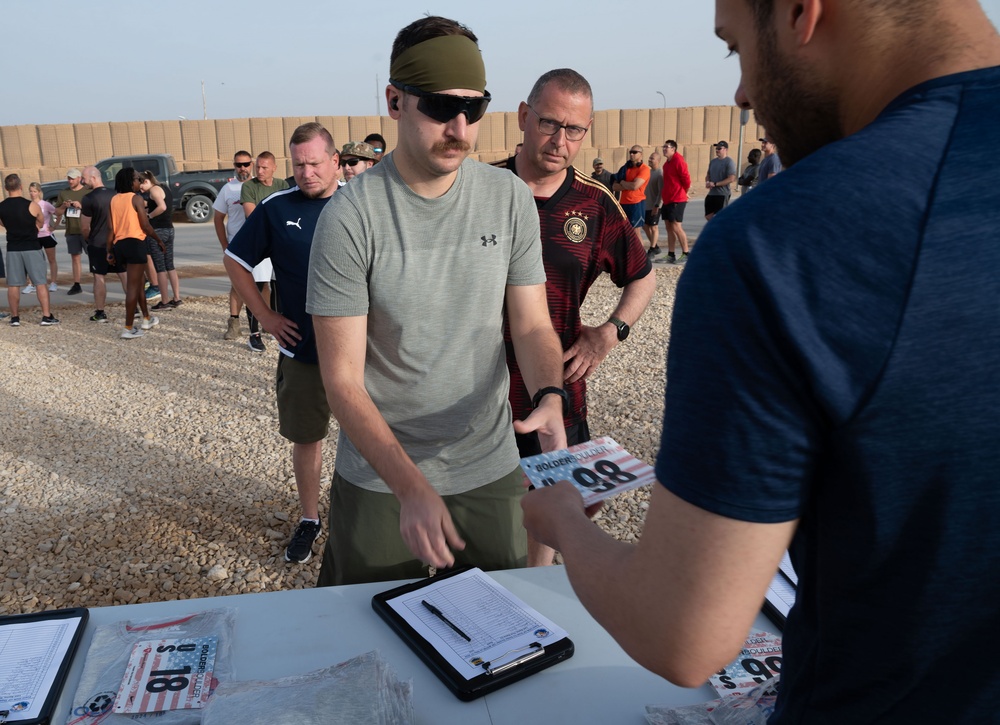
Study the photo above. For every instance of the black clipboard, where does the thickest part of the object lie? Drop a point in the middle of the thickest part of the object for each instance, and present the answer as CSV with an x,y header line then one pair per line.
x,y
45,714
492,679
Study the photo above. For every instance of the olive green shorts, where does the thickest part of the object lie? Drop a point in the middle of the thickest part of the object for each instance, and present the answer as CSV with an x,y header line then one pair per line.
x,y
303,411
365,545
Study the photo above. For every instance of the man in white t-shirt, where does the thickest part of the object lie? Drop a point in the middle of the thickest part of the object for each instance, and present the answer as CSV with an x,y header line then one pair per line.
x,y
228,219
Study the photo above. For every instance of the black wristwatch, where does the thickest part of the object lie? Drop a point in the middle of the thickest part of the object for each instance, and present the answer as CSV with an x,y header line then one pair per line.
x,y
555,391
623,328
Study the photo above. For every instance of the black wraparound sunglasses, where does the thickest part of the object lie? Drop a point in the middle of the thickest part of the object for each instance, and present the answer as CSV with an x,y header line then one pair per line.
x,y
443,107
242,164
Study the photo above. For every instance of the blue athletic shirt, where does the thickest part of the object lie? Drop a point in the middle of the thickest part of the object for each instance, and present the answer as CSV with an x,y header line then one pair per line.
x,y
835,357
281,227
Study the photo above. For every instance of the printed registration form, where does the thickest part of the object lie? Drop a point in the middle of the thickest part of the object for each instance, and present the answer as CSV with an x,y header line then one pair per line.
x,y
34,652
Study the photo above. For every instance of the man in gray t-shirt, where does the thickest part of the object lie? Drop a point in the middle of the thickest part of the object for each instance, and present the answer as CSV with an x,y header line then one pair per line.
x,y
412,265
721,175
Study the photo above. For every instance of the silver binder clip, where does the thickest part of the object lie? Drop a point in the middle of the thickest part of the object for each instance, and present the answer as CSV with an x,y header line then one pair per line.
x,y
536,651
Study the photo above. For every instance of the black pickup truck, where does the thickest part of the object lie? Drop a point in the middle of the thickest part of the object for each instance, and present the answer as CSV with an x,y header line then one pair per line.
x,y
193,191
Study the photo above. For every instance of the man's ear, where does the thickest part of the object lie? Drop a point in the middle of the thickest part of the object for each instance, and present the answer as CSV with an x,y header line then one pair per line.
x,y
522,115
392,101
802,17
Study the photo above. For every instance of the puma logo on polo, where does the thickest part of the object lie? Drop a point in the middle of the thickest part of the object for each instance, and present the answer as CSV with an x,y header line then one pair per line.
x,y
294,223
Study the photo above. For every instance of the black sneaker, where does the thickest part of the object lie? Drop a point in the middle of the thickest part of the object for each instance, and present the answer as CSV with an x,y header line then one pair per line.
x,y
15,321
175,303
671,258
75,289
652,252
99,316
159,306
256,344
300,548
48,320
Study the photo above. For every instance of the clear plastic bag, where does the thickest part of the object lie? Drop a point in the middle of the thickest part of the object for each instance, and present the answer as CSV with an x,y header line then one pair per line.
x,y
361,690
109,654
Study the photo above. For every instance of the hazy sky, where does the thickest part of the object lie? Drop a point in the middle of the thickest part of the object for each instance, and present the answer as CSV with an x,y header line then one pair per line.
x,y
124,61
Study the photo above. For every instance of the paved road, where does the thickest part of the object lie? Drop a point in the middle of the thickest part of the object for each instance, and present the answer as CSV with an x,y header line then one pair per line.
x,y
197,248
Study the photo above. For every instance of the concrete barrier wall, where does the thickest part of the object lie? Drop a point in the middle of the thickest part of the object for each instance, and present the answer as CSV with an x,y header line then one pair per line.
x,y
44,153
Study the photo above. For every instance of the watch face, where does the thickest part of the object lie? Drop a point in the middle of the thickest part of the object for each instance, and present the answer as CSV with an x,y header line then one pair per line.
x,y
623,331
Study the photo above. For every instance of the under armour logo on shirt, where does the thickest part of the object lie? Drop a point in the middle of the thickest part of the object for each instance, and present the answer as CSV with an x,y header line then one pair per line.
x,y
294,223
492,240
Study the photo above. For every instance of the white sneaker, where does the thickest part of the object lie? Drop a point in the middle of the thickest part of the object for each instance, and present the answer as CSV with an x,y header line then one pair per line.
x,y
150,323
28,290
132,332
53,287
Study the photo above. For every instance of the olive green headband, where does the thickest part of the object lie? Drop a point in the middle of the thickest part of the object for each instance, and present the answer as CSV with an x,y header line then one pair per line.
x,y
441,64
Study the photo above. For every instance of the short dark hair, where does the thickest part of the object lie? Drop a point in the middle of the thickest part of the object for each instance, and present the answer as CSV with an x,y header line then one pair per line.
x,y
754,156
566,79
376,140
266,155
242,153
124,180
432,26
12,182
308,131
671,143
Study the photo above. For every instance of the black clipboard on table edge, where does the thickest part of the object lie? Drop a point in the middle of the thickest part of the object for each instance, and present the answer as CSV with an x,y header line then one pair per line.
x,y
464,689
45,715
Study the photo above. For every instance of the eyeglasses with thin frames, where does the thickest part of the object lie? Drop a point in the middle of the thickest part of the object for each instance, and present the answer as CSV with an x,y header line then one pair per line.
x,y
550,128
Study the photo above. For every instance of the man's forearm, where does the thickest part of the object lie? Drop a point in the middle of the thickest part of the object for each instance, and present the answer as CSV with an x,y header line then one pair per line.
x,y
635,299
220,230
539,356
362,422
342,368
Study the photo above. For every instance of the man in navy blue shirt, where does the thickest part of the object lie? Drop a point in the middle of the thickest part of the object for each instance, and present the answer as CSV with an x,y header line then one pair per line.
x,y
841,406
281,228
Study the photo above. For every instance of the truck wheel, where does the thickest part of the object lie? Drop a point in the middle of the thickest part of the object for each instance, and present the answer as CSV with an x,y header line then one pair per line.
x,y
198,209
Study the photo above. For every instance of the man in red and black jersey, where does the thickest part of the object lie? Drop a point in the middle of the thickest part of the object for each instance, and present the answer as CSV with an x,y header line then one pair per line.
x,y
584,232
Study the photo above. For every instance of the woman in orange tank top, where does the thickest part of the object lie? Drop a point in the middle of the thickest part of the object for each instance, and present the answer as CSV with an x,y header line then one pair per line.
x,y
126,246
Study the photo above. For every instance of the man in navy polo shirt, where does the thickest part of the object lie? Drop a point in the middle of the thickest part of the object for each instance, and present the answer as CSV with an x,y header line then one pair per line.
x,y
841,406
281,227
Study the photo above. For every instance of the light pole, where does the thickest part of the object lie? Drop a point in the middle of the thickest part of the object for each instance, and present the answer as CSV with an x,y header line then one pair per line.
x,y
663,97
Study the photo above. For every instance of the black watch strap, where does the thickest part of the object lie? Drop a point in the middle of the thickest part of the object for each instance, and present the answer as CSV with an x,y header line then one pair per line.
x,y
555,391
621,326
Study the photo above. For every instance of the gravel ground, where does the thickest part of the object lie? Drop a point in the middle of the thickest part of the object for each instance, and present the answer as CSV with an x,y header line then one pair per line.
x,y
152,469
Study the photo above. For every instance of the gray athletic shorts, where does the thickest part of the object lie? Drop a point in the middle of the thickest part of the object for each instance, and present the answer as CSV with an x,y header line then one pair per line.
x,y
22,266
74,243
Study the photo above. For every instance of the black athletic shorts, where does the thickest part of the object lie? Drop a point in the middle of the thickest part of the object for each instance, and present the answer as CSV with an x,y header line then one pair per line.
x,y
98,257
674,212
47,242
130,251
652,218
715,203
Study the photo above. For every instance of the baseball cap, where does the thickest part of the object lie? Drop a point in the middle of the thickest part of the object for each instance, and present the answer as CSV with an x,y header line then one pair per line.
x,y
598,160
74,173
764,139
360,149
723,144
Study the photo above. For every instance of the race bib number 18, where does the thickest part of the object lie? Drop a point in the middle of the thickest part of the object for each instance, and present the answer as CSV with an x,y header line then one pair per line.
x,y
168,674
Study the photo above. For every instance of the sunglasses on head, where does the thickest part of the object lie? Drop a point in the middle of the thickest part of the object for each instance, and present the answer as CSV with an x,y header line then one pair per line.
x,y
350,162
242,164
442,107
